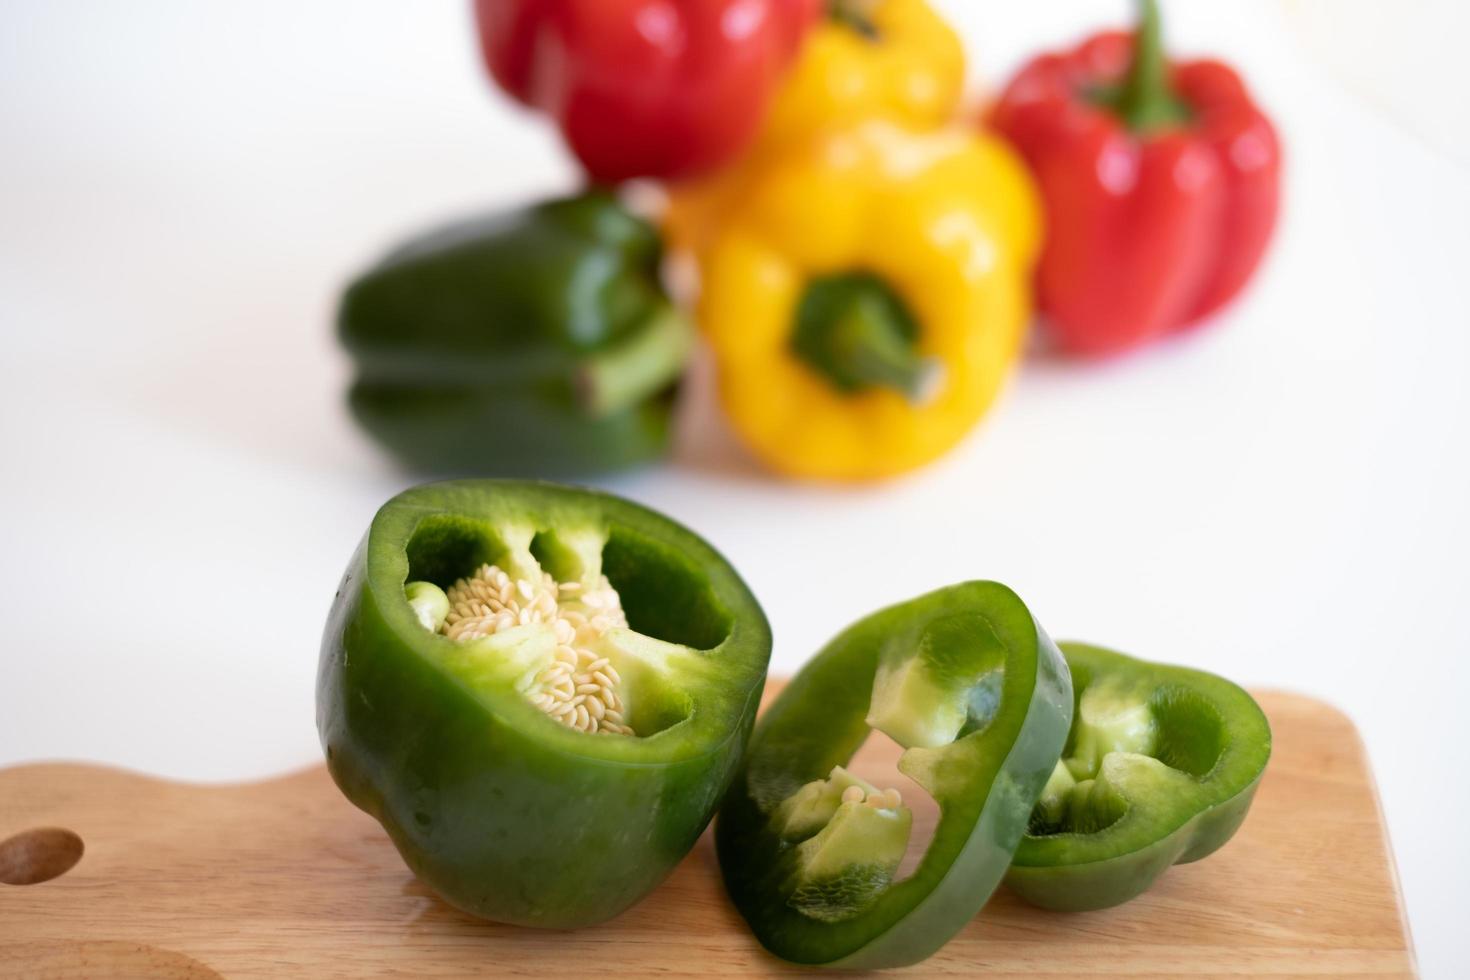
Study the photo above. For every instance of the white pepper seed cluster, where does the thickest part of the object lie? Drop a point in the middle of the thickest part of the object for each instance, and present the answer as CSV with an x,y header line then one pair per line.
x,y
883,799
578,688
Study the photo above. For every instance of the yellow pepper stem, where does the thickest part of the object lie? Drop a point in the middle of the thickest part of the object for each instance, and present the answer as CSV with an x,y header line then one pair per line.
x,y
854,332
856,14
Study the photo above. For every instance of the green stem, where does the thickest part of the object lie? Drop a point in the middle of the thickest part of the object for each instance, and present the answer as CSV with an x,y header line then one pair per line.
x,y
871,352
855,14
856,334
1145,101
638,366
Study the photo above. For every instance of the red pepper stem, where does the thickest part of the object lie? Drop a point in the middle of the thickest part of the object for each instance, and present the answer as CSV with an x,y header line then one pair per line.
x,y
1145,101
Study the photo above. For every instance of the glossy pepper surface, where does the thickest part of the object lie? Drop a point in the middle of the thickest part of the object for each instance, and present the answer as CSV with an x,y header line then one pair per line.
x,y
1160,768
969,684
535,342
645,88
890,59
505,811
868,296
1161,184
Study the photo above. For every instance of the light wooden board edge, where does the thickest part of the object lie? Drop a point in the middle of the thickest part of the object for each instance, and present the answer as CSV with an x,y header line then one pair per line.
x,y
284,878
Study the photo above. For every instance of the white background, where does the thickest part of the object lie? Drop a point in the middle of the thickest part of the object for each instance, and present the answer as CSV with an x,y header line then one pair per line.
x,y
183,187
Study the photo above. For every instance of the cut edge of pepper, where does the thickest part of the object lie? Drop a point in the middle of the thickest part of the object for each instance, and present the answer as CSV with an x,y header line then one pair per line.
x,y
630,535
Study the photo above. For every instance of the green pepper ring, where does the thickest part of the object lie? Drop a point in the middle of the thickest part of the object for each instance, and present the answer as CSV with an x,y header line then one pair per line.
x,y
1216,742
986,782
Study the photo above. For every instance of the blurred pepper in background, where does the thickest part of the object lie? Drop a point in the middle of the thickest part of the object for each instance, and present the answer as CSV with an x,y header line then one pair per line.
x,y
1160,181
864,273
867,297
866,266
535,341
892,58
645,88
866,59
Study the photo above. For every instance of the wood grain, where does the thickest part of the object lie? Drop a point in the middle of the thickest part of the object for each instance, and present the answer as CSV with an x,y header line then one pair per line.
x,y
285,878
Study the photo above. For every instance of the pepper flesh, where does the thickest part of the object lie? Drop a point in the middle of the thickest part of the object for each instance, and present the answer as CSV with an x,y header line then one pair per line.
x,y
1160,768
980,645
645,88
531,342
945,221
1161,186
502,810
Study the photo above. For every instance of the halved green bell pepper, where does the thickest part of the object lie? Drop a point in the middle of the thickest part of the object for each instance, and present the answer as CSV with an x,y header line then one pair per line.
x,y
1160,768
535,342
967,681
506,812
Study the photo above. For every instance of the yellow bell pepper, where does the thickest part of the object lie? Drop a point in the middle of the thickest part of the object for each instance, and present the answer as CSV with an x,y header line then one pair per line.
x,y
865,301
889,59
896,59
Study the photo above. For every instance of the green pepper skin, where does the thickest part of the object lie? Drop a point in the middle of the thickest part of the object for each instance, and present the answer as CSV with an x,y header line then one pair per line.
x,y
535,342
986,781
505,812
1215,741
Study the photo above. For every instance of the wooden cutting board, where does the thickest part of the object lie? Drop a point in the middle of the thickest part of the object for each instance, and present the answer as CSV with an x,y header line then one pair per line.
x,y
285,878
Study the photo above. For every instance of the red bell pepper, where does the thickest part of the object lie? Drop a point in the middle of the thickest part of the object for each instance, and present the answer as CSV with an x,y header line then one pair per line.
x,y
1160,183
645,88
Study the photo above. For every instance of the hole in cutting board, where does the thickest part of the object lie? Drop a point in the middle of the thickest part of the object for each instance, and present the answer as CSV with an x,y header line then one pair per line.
x,y
40,854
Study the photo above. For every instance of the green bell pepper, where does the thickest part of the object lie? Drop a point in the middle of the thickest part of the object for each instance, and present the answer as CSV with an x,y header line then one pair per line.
x,y
447,711
968,683
1159,769
534,342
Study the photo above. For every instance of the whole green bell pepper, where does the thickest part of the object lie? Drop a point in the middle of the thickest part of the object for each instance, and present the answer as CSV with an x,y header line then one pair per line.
x,y
461,748
1159,769
536,342
968,683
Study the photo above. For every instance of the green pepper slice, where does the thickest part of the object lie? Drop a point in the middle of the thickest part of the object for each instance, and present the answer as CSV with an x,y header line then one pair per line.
x,y
1160,768
533,342
979,697
506,810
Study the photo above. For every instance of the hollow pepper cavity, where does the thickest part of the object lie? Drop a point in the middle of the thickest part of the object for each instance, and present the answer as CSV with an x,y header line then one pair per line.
x,y
532,342
1159,769
540,692
967,682
645,88
1161,184
868,296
